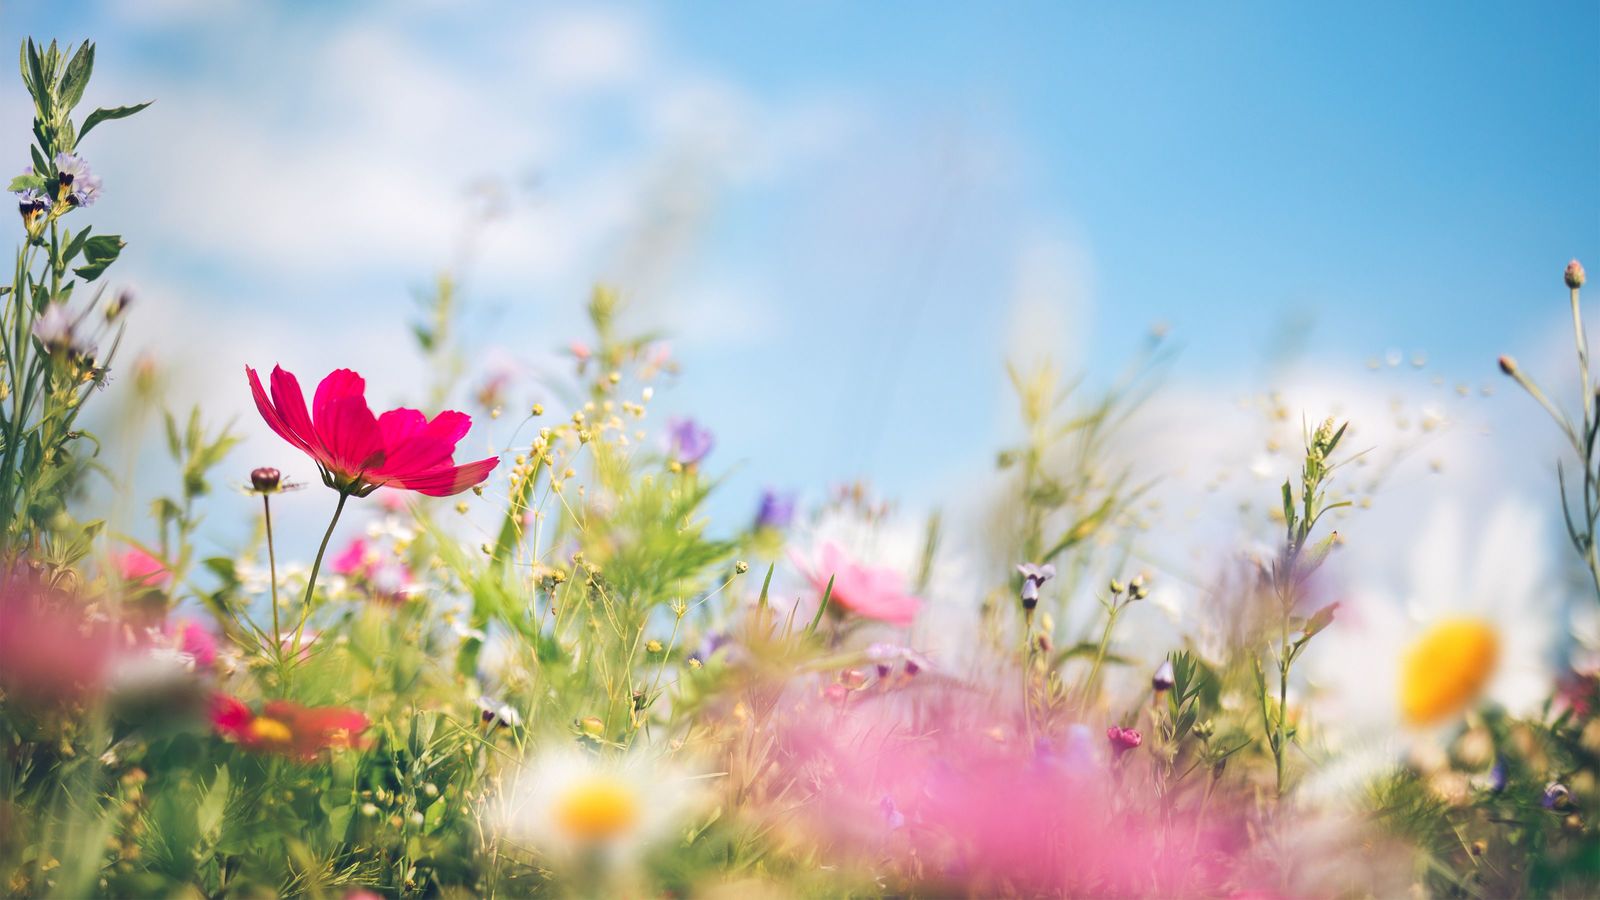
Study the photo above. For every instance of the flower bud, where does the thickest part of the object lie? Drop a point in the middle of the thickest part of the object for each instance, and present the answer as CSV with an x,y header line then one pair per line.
x,y
1123,739
1163,679
265,479
1508,365
1574,275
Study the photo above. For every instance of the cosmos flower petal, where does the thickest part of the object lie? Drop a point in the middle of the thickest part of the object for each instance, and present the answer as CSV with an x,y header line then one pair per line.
x,y
291,404
449,480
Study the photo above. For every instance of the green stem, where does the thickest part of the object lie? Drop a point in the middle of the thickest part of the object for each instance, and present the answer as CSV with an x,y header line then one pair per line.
x,y
1100,651
316,566
1280,751
272,571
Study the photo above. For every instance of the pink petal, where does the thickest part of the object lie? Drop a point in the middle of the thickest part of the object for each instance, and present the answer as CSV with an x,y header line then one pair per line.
x,y
449,480
291,404
270,413
350,433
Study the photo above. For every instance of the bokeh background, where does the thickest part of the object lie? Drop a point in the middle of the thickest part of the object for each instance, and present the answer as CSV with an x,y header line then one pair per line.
x,y
847,216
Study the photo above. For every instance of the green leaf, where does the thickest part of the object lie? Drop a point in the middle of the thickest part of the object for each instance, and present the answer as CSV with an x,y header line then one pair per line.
x,y
208,815
98,253
75,245
821,608
103,114
77,77
23,182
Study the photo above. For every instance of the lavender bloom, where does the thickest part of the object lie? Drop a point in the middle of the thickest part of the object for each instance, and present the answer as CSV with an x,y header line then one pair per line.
x,y
493,712
1557,797
31,202
54,328
690,443
776,510
72,168
85,191
1163,680
1497,775
709,645
885,655
892,816
1034,576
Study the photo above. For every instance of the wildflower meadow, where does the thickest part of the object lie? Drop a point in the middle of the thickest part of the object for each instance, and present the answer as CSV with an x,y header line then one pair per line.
x,y
505,630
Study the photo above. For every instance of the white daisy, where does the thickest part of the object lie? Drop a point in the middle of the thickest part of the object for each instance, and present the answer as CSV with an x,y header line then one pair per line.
x,y
1474,625
567,803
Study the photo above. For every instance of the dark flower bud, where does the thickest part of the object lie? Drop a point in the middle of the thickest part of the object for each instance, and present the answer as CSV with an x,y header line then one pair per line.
x,y
1508,365
1574,275
1163,679
266,479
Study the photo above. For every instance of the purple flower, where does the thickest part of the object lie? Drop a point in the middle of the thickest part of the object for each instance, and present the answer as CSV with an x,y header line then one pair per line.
x,y
886,655
1557,797
776,510
710,644
689,442
31,202
85,191
71,168
1163,679
1033,576
892,816
1497,775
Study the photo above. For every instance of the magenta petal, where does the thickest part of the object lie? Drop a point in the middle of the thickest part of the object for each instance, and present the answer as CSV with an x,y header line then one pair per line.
x,y
399,426
270,413
351,434
446,481
291,404
340,384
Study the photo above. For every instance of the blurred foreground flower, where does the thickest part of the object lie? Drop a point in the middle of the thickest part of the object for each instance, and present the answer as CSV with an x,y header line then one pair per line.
x,y
690,442
568,804
872,593
357,452
288,728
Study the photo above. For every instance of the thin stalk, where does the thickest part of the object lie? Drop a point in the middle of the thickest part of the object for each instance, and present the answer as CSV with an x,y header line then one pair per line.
x,y
1279,750
272,568
316,566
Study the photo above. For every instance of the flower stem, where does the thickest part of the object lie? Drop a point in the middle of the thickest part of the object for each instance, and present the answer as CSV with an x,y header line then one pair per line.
x,y
316,566
272,571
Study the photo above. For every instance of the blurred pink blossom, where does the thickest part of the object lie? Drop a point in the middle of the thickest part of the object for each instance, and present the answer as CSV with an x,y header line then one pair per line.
x,y
865,591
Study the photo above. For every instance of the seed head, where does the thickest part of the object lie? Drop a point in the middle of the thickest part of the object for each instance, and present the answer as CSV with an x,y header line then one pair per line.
x,y
266,479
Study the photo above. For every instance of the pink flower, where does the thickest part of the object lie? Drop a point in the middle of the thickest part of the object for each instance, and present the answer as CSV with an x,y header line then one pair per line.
x,y
383,576
195,640
358,452
139,569
50,649
872,593
1123,739
354,559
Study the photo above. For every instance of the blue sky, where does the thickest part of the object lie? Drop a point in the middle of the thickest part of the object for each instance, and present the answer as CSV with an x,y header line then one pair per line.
x,y
867,206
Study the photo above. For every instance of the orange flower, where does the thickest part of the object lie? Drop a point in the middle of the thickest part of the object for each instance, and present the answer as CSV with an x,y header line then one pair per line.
x,y
288,728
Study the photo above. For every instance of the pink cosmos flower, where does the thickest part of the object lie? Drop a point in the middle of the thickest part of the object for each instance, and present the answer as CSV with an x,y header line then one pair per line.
x,y
139,569
358,452
383,576
192,638
866,591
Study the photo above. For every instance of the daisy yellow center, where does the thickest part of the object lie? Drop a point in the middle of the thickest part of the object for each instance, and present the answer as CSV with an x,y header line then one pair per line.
x,y
597,809
1446,669
270,731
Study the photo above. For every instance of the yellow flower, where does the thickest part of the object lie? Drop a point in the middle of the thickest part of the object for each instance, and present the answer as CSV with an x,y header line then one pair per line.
x,y
597,808
1446,669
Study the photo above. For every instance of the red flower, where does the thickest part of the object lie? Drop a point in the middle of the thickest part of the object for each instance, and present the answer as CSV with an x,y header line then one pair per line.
x,y
358,452
288,728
